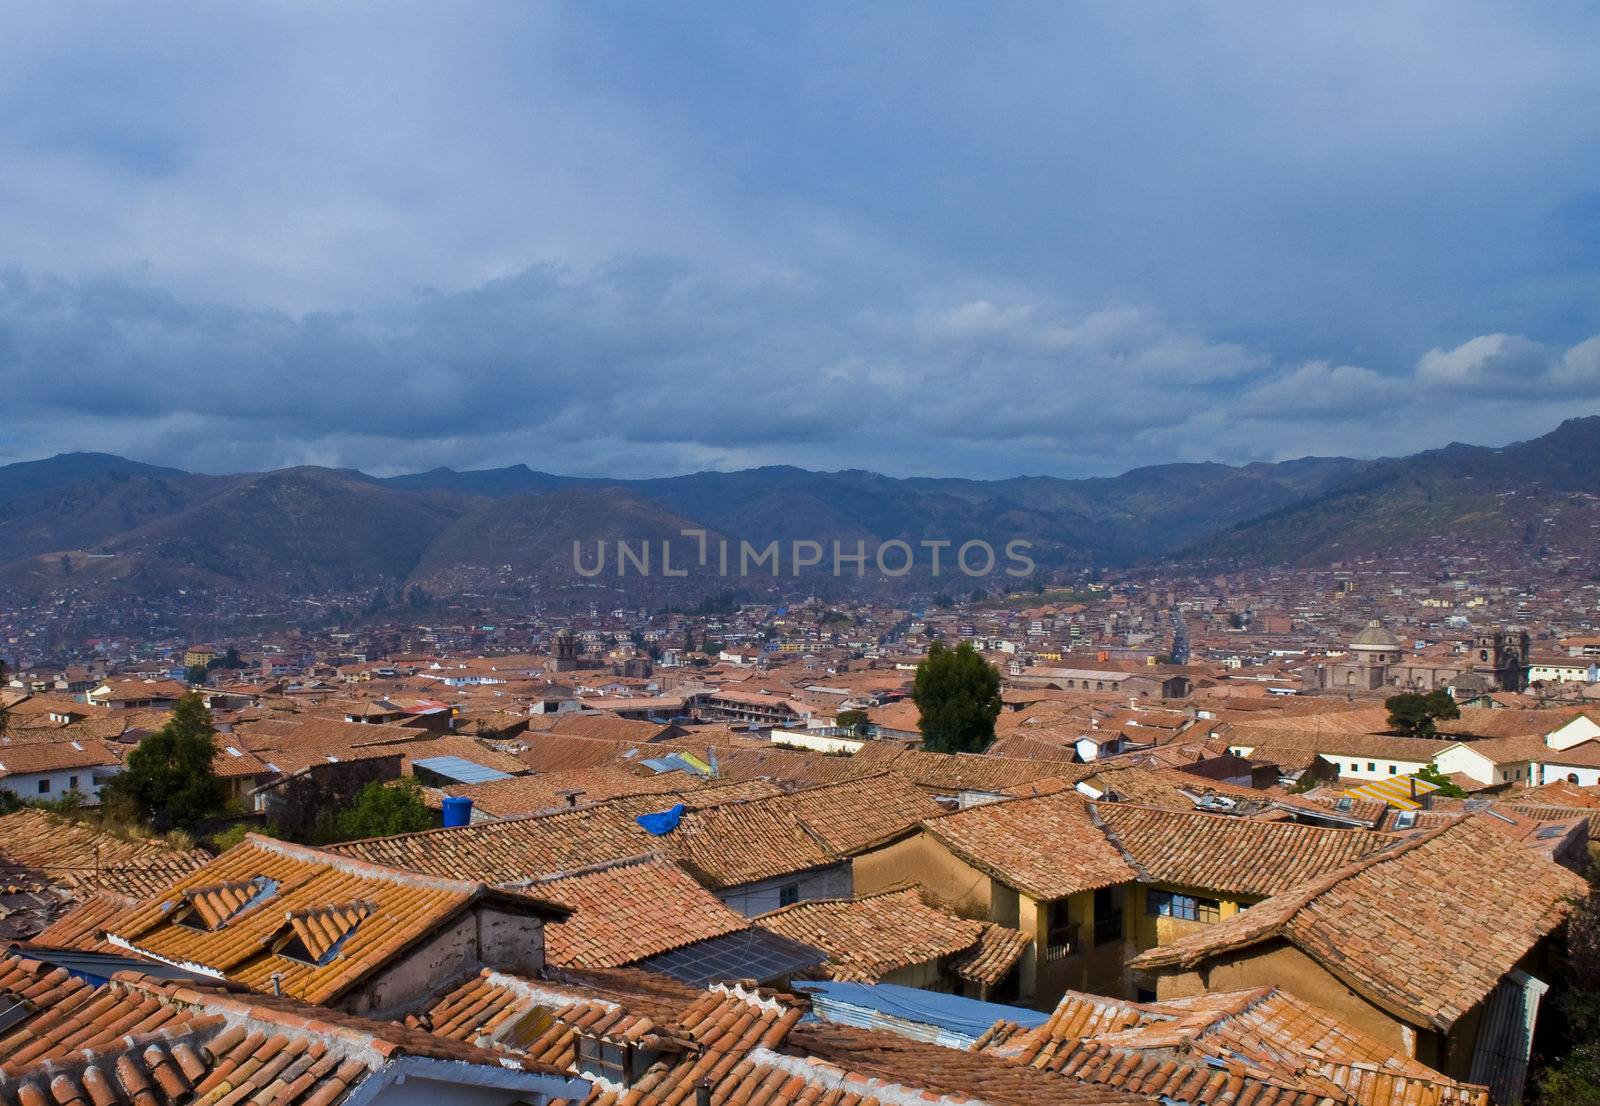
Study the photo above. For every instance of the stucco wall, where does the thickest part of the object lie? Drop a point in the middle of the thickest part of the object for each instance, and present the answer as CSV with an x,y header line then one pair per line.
x,y
750,899
1278,964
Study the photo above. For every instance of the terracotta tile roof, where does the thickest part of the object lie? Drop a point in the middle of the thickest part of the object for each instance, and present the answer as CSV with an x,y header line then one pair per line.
x,y
941,1074
608,727
626,912
1226,853
1047,847
141,1040
1164,787
546,792
747,1048
1562,793
57,756
1425,929
1292,748
532,847
951,773
996,952
1263,1046
870,937
742,842
48,848
458,745
81,926
241,915
1023,745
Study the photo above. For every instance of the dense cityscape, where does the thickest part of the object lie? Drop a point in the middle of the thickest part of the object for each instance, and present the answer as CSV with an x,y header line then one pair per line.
x,y
624,554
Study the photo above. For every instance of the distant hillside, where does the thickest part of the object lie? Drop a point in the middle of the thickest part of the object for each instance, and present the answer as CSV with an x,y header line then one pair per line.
x,y
120,527
66,469
529,538
1528,492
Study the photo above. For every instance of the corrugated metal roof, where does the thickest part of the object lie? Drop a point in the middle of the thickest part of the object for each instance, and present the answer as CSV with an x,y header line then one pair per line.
x,y
1397,791
459,769
948,1020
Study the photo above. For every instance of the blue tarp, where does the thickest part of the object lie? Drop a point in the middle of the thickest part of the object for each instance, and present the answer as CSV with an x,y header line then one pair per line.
x,y
874,1005
658,825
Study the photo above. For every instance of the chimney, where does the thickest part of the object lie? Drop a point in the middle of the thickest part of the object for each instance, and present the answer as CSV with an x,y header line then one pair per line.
x,y
572,795
702,1093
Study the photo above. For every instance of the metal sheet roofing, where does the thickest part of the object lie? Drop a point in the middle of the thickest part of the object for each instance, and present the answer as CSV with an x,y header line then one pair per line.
x,y
459,769
1400,792
950,1019
747,954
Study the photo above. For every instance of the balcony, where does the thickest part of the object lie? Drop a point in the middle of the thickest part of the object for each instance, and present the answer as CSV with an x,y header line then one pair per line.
x,y
1108,927
1061,943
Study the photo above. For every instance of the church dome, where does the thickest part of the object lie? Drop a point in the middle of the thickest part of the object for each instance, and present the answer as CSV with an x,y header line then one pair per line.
x,y
1375,637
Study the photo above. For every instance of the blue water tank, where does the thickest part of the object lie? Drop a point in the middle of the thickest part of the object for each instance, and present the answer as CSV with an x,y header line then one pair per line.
x,y
457,811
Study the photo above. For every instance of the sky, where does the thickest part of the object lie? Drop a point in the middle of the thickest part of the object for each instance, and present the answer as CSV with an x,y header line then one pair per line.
x,y
643,239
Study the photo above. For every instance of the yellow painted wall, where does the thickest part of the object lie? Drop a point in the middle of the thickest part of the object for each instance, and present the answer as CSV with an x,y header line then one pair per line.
x,y
1150,932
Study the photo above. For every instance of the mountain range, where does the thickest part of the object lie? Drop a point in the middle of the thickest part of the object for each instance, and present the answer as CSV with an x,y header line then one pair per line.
x,y
113,525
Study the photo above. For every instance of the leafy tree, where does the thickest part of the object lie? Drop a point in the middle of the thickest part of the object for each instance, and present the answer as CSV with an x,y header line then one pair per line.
x,y
1447,790
65,803
855,721
1574,1079
958,694
196,674
711,648
1413,714
169,781
382,809
944,600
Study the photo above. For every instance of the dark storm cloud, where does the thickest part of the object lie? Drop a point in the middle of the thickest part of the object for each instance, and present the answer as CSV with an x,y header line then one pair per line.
x,y
632,239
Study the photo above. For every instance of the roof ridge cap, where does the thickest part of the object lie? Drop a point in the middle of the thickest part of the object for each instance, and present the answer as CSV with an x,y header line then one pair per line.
x,y
361,867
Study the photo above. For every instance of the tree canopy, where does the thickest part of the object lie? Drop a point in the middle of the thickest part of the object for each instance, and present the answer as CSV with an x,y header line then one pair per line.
x,y
169,780
958,694
856,721
382,809
1413,714
1447,790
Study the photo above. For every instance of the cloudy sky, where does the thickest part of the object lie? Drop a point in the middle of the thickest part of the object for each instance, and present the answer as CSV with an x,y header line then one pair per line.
x,y
636,239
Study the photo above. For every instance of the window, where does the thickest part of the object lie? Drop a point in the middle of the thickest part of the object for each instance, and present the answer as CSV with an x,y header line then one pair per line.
x,y
601,1059
1371,767
1393,771
44,787
1355,767
1169,904
789,894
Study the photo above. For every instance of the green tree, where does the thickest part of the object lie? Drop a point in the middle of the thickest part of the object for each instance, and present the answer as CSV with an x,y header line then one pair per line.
x,y
958,693
1413,714
855,721
1574,1079
1447,790
170,781
382,809
196,674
